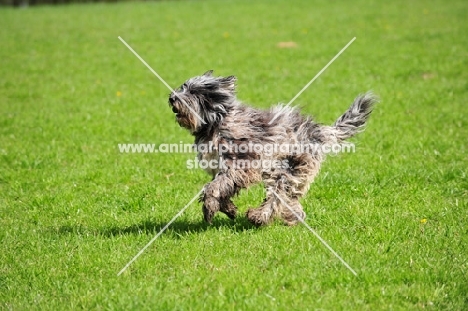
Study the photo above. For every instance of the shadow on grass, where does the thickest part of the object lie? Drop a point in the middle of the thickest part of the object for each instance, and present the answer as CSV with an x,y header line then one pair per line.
x,y
179,227
149,226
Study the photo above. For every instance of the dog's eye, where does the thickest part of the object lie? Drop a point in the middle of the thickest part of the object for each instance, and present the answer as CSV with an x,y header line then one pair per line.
x,y
171,100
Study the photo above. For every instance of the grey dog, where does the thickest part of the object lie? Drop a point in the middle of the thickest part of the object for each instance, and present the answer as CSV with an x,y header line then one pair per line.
x,y
244,142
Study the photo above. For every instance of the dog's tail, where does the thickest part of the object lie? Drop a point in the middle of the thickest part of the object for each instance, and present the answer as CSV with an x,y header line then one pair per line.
x,y
354,119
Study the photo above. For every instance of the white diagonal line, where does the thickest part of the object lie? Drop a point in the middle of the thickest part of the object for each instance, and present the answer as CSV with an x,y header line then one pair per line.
x,y
161,79
315,233
160,232
311,81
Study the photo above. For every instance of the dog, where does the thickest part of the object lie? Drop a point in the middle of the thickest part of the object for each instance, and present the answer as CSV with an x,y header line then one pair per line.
x,y
228,133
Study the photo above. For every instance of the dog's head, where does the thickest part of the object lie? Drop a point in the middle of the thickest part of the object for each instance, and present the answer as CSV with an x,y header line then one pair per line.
x,y
203,101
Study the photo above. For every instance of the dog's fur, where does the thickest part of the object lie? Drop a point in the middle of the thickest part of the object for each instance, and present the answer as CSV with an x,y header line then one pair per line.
x,y
227,121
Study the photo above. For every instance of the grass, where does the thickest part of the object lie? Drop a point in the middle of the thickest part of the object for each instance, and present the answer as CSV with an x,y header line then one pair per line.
x,y
74,211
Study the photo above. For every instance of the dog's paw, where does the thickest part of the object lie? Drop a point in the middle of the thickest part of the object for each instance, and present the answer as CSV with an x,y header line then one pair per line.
x,y
291,219
257,217
290,222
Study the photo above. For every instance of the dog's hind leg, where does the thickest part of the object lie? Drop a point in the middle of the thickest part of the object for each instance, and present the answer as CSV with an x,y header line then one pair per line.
x,y
266,212
294,184
291,211
284,188
278,203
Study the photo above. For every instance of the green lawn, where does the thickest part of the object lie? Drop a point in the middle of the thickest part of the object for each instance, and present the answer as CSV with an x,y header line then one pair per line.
x,y
74,211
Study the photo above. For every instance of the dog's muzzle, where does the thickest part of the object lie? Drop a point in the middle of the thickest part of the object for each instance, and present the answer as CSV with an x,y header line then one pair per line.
x,y
174,108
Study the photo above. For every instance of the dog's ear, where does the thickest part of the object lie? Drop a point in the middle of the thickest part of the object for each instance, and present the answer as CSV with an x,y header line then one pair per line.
x,y
209,73
228,83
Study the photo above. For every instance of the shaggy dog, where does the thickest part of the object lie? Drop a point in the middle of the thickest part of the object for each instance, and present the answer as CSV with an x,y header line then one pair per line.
x,y
247,146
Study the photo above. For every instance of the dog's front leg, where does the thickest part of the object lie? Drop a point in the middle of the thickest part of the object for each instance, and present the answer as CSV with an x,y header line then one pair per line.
x,y
217,197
